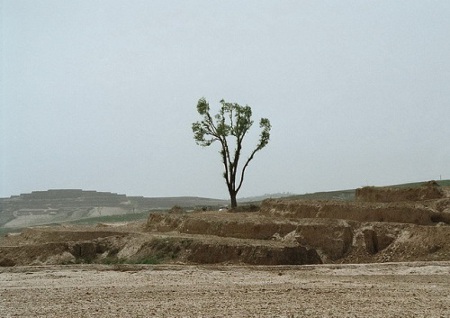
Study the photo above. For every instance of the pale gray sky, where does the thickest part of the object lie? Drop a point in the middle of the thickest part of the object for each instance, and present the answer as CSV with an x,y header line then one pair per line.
x,y
100,95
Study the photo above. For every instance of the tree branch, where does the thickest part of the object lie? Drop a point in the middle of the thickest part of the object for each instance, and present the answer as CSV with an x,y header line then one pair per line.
x,y
245,167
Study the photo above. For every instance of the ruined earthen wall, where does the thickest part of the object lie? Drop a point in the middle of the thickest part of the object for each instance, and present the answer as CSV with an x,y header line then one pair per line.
x,y
357,211
428,191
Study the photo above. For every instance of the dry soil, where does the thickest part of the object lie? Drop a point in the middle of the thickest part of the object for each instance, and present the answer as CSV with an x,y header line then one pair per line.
x,y
418,289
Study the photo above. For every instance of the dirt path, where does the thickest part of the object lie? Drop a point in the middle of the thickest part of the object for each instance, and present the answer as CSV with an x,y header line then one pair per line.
x,y
371,290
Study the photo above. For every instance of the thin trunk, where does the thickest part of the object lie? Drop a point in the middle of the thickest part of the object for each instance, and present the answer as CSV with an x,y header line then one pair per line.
x,y
233,199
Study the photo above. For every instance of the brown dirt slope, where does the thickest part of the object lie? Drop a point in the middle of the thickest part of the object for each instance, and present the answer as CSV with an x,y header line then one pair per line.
x,y
289,232
427,191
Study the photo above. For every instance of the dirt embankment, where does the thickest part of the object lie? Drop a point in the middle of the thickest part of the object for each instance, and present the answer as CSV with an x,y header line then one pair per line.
x,y
428,191
414,213
282,232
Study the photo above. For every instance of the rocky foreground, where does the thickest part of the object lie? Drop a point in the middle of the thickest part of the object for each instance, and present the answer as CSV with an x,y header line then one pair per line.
x,y
365,290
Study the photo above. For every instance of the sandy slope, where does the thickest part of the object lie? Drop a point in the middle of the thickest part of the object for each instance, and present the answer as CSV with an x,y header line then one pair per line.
x,y
369,290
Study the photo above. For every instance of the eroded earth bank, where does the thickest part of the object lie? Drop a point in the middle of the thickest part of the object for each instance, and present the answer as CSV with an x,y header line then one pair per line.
x,y
379,226
210,263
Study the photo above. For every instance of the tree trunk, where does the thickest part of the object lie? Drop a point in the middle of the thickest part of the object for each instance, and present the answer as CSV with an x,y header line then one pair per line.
x,y
233,199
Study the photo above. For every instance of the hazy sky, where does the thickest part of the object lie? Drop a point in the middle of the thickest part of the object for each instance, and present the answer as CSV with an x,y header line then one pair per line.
x,y
101,95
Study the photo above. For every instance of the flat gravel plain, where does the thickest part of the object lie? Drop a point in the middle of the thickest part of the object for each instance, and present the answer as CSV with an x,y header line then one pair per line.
x,y
367,290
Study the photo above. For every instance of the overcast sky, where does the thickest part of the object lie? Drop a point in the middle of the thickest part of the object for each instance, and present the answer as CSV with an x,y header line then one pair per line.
x,y
101,95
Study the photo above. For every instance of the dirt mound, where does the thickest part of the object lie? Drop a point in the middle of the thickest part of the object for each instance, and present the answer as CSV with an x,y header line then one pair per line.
x,y
212,251
224,224
283,232
48,234
44,248
335,240
30,254
377,242
428,191
331,237
364,212
153,249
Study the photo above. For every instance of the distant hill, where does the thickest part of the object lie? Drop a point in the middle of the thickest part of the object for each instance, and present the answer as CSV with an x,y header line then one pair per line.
x,y
70,205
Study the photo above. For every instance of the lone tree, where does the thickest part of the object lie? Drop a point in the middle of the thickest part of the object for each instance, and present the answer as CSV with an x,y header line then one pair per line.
x,y
229,127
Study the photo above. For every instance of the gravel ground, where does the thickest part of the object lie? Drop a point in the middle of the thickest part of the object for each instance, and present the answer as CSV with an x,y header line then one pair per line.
x,y
370,290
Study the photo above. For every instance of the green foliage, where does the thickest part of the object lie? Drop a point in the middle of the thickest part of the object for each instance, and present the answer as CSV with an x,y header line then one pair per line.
x,y
232,121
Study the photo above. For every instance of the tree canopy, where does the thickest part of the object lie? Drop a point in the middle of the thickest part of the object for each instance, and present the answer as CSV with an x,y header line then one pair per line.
x,y
229,127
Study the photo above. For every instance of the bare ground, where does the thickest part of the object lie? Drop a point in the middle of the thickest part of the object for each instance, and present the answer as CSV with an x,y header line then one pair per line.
x,y
403,251
417,289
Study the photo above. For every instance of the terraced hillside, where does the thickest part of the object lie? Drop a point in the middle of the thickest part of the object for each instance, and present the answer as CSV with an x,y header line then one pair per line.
x,y
62,206
282,232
